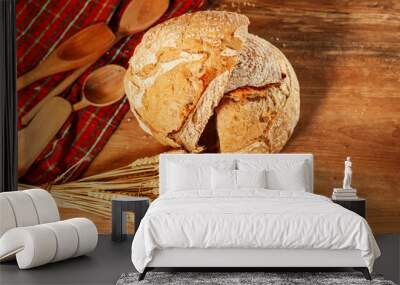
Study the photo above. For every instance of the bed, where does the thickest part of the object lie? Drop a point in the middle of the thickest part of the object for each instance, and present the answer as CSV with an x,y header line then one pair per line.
x,y
246,211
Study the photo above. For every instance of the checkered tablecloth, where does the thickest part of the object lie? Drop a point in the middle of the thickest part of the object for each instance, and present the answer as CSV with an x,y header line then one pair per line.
x,y
41,26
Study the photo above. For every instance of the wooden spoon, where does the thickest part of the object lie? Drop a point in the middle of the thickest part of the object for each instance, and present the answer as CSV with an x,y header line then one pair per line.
x,y
102,87
138,16
82,48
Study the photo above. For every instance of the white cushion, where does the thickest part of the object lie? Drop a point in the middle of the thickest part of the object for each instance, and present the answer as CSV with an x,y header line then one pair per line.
x,y
281,174
291,180
223,179
200,160
33,246
40,244
27,208
46,207
23,208
87,233
7,218
199,169
67,240
251,178
183,177
235,179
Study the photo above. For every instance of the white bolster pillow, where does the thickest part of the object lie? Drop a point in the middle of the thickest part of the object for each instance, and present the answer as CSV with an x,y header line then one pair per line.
x,y
87,235
26,208
7,218
66,238
24,211
33,246
40,244
46,207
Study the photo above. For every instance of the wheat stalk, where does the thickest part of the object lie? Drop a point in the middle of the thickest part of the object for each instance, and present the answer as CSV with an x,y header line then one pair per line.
x,y
94,193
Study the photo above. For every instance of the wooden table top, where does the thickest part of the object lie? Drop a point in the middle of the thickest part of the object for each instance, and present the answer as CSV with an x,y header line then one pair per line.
x,y
347,58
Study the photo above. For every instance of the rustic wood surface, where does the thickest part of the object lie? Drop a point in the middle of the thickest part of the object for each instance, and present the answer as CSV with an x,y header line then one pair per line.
x,y
347,58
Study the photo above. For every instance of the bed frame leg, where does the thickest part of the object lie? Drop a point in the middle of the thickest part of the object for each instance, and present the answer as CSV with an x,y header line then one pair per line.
x,y
143,274
364,271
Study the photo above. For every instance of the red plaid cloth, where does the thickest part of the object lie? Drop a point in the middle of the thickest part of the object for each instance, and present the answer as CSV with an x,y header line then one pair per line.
x,y
41,26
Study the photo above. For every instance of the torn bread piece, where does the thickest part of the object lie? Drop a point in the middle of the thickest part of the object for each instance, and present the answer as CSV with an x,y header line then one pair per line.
x,y
253,119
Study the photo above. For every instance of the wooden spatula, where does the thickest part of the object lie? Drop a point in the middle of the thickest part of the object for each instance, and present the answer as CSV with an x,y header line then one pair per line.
x,y
33,139
80,49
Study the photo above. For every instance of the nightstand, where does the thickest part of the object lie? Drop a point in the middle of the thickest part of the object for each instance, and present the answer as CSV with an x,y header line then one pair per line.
x,y
357,205
121,205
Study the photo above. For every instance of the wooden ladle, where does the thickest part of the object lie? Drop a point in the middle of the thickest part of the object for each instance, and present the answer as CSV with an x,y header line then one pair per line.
x,y
102,87
82,48
137,16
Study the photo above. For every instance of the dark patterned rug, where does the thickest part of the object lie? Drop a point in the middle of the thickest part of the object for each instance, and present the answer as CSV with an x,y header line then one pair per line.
x,y
269,278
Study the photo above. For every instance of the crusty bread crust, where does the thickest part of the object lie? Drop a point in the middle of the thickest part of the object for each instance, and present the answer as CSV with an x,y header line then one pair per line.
x,y
190,67
258,64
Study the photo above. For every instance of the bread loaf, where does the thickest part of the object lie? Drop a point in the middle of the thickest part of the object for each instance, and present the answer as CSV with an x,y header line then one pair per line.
x,y
179,71
196,65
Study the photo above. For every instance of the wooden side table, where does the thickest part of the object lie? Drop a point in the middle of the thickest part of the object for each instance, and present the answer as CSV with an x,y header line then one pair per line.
x,y
121,205
357,205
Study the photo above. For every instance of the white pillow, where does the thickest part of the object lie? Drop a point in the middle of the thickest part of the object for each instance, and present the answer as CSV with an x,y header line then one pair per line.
x,y
223,179
290,179
201,160
251,178
182,177
281,174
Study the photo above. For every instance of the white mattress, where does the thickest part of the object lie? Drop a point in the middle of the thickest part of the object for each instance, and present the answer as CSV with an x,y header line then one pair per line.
x,y
252,219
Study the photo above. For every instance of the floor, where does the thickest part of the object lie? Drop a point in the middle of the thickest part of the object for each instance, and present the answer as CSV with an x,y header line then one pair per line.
x,y
111,259
103,266
389,262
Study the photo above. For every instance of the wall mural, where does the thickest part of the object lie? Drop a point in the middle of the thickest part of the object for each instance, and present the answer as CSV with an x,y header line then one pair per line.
x,y
101,94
